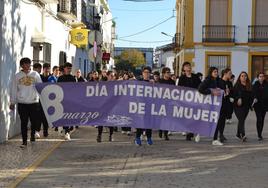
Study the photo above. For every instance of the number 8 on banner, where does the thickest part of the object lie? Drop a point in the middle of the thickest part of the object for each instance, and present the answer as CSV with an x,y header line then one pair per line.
x,y
52,96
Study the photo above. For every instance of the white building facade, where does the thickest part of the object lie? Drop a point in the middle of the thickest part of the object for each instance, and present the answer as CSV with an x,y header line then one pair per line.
x,y
164,56
38,29
224,33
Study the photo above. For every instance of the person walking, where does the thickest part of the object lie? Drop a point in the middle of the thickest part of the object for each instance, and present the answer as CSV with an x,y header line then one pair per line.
x,y
260,104
43,120
224,84
24,94
146,71
67,77
211,86
188,79
243,100
110,77
231,102
166,79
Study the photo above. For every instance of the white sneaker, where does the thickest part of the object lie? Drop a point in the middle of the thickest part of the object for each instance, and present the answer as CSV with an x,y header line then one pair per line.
x,y
197,138
183,133
128,133
169,133
217,143
123,132
37,135
67,136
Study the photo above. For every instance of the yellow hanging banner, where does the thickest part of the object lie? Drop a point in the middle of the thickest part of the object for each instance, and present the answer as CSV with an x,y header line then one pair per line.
x,y
79,37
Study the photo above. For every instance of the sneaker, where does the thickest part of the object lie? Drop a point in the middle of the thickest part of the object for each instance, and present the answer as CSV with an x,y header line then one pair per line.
x,y
160,134
260,138
238,137
128,133
45,134
197,138
67,136
244,139
123,132
32,139
138,141
37,135
149,141
183,133
169,133
111,139
166,138
217,143
24,145
98,138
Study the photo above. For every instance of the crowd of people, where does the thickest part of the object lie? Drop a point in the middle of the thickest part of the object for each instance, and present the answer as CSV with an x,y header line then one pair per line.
x,y
239,97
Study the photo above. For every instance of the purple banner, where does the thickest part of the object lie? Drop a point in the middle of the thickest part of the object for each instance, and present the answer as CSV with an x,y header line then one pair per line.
x,y
136,104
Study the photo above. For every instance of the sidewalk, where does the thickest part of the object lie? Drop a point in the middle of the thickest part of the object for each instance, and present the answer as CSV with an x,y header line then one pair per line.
x,y
15,162
176,163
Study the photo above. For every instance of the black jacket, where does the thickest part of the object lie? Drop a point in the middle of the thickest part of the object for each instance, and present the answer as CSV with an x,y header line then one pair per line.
x,y
240,91
260,92
67,78
192,82
170,81
208,84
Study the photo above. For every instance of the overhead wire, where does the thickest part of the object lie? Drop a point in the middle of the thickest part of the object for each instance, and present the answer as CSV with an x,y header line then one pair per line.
x,y
132,10
134,41
148,29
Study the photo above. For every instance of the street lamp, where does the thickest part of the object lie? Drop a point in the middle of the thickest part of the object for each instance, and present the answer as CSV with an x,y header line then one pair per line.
x,y
163,33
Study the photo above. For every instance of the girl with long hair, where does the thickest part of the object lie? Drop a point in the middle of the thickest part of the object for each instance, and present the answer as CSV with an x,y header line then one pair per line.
x,y
243,101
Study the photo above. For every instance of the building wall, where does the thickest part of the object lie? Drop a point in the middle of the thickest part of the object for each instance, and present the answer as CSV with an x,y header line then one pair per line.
x,y
20,22
241,18
241,51
199,19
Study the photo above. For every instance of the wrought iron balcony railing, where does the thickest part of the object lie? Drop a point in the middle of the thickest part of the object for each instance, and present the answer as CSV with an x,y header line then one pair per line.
x,y
258,33
218,33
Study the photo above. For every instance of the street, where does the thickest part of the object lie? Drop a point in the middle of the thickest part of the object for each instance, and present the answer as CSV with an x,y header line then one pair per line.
x,y
83,162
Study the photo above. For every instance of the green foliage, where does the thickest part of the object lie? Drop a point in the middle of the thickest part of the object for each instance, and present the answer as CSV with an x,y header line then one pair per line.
x,y
129,60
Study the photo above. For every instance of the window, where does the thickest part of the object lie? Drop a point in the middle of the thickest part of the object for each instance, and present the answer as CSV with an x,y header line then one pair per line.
x,y
62,58
218,12
47,53
259,64
219,61
261,12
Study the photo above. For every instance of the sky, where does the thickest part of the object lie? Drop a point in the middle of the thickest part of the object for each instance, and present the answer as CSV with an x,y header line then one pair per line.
x,y
135,17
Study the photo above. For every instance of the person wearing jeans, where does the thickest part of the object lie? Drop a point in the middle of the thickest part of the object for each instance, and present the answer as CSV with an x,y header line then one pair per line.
x,y
24,94
146,71
260,92
67,77
211,86
243,101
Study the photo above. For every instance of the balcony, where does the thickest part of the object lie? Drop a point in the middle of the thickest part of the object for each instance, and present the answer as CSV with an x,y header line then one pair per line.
x,y
218,33
258,33
67,9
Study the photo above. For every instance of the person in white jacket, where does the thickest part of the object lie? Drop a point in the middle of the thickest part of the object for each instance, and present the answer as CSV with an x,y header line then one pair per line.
x,y
24,94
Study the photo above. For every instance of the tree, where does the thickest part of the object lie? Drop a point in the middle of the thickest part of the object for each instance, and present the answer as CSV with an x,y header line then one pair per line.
x,y
129,60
